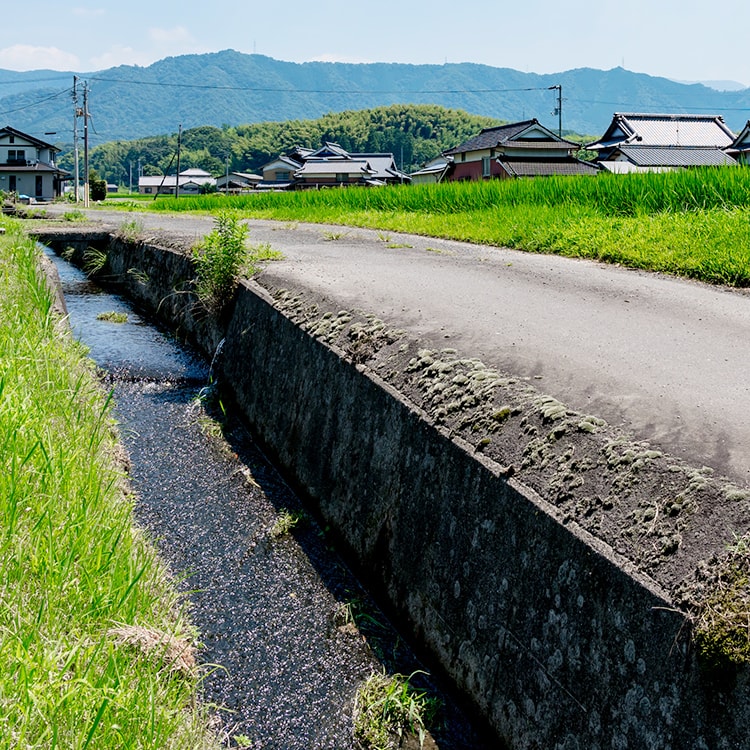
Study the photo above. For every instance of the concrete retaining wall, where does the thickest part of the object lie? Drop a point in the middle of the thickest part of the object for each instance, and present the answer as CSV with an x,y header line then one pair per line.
x,y
560,644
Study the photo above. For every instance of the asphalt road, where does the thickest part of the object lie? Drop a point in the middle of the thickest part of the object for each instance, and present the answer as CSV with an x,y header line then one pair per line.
x,y
668,360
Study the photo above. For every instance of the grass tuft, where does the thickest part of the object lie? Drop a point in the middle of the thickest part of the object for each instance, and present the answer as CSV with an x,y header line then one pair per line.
x,y
388,708
287,521
111,316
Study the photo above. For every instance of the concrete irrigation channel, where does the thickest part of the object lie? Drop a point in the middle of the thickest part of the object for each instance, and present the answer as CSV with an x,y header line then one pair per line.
x,y
288,633
538,465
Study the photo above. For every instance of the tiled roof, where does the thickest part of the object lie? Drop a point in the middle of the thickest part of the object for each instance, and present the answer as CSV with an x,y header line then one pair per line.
x,y
285,160
490,137
547,167
528,143
432,169
337,166
742,141
655,156
38,167
328,150
665,130
383,165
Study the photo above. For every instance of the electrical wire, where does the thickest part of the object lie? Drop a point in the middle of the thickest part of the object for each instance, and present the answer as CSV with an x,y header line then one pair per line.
x,y
264,90
37,103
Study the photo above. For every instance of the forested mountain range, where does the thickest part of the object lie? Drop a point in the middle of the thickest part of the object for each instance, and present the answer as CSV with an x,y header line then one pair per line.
x,y
231,88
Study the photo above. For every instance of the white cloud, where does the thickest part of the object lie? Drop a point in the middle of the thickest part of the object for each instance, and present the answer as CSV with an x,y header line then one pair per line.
x,y
178,34
162,42
29,57
119,54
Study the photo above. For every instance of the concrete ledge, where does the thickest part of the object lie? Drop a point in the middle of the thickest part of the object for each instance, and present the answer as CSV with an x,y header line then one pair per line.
x,y
559,641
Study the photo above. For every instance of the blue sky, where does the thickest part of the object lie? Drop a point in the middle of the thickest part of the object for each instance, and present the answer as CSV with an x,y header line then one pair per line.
x,y
670,38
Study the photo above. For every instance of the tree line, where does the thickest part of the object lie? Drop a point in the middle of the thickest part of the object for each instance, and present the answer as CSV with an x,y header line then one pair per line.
x,y
414,134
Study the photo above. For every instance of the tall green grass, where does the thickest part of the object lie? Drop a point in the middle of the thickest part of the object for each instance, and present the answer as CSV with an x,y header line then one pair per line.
x,y
620,195
88,617
693,223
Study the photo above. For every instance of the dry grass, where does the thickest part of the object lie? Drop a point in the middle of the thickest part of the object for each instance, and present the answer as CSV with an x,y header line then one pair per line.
x,y
177,655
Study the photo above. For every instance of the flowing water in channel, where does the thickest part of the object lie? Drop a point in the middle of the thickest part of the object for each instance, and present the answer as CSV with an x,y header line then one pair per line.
x,y
273,612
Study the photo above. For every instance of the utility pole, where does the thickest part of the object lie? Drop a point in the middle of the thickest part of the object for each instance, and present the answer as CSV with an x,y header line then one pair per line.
x,y
226,177
179,147
558,109
76,114
86,144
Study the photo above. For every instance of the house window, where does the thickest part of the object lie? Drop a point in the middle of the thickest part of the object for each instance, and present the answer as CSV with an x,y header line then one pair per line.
x,y
281,175
147,190
16,155
486,167
341,177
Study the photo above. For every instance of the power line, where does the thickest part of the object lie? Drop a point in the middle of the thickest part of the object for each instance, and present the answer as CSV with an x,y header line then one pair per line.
x,y
24,81
37,103
287,90
662,107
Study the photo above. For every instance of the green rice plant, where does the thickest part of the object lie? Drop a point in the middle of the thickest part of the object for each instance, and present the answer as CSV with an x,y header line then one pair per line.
x,y
388,708
691,222
95,646
218,260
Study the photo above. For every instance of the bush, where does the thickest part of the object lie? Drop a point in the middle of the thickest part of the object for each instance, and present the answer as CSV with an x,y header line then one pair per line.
x,y
219,259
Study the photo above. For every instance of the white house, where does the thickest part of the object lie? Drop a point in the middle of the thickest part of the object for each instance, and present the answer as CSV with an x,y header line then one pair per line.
x,y
191,182
27,166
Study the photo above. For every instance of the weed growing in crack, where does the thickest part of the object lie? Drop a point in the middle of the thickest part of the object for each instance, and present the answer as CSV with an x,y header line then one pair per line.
x,y
287,521
74,215
218,259
140,276
131,230
260,252
94,261
387,708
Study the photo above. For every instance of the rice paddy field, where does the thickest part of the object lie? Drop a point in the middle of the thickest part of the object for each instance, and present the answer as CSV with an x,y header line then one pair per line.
x,y
94,647
693,223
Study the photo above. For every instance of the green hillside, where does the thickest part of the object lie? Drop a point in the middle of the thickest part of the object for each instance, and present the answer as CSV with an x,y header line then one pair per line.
x,y
413,133
231,88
